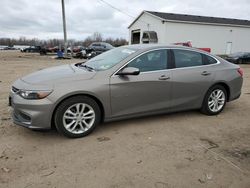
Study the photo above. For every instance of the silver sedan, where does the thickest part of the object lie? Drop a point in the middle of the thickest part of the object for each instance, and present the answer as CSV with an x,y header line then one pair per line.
x,y
125,82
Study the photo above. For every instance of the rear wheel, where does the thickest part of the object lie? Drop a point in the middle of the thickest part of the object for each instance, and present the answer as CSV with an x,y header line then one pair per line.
x,y
215,100
77,116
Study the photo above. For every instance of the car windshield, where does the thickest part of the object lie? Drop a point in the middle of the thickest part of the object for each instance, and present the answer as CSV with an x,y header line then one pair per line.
x,y
110,58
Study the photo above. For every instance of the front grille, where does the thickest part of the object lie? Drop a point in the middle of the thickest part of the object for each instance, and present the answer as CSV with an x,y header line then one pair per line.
x,y
14,89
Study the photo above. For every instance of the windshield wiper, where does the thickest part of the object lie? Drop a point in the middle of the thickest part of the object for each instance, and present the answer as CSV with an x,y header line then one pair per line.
x,y
87,67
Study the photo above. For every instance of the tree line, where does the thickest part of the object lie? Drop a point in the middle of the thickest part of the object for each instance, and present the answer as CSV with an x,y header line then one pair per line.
x,y
95,37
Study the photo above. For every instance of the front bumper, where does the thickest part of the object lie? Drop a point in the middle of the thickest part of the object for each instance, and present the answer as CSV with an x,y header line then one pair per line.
x,y
33,114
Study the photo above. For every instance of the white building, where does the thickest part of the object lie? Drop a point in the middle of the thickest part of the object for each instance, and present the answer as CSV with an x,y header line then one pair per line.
x,y
222,35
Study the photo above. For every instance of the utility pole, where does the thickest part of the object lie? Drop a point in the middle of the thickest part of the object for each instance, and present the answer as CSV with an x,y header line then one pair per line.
x,y
64,30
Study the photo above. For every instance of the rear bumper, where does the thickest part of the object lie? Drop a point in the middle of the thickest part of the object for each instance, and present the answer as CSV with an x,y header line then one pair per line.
x,y
235,97
235,88
32,114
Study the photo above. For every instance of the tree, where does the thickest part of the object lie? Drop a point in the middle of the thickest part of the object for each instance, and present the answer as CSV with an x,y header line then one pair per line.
x,y
97,37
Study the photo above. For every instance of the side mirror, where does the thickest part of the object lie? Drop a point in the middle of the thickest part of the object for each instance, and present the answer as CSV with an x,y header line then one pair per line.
x,y
128,71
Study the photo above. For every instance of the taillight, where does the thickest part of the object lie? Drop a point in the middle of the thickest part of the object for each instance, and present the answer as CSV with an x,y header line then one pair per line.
x,y
240,71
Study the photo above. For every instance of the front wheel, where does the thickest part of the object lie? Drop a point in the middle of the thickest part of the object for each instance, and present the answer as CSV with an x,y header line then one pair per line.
x,y
214,101
77,116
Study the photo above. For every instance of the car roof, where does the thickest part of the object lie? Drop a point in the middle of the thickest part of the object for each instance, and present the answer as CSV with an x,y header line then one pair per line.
x,y
147,47
155,46
99,43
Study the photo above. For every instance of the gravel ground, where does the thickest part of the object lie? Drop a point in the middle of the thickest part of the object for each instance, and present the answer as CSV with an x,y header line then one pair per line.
x,y
184,149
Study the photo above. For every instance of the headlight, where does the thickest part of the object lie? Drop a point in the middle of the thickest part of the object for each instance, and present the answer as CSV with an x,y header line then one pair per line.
x,y
33,94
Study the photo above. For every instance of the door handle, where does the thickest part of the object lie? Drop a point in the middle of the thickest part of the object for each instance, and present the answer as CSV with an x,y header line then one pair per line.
x,y
164,77
205,73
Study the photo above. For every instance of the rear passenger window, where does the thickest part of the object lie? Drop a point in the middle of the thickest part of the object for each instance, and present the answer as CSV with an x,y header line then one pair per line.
x,y
209,60
185,58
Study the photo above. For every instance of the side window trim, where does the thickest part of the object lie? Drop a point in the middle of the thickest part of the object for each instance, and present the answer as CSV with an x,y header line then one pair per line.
x,y
172,59
204,59
171,62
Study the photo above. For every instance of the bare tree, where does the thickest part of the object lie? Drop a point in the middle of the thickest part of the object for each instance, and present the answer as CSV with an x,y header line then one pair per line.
x,y
95,37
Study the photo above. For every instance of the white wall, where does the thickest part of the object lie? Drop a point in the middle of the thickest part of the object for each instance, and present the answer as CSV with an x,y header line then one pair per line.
x,y
210,36
149,23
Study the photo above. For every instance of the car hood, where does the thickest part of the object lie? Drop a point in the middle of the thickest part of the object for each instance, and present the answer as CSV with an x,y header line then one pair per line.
x,y
58,74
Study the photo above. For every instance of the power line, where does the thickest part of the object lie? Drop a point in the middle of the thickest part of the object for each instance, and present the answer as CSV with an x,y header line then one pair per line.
x,y
117,9
123,12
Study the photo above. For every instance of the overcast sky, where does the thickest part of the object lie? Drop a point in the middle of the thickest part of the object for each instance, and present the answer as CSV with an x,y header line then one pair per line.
x,y
42,18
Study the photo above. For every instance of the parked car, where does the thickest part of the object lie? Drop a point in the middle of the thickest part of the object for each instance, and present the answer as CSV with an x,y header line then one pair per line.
x,y
239,57
87,53
93,50
100,47
45,50
125,82
32,49
53,49
77,49
9,48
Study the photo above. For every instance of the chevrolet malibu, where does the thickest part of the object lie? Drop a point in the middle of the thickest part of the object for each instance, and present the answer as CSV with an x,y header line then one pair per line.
x,y
125,82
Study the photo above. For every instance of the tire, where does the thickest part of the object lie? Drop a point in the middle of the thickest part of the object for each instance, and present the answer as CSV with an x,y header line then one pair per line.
x,y
73,117
211,98
240,61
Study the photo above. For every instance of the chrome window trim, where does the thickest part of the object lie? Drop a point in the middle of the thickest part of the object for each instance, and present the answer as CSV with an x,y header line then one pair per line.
x,y
167,48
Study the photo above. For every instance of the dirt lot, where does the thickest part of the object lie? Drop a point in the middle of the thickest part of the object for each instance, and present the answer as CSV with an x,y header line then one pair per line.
x,y
185,149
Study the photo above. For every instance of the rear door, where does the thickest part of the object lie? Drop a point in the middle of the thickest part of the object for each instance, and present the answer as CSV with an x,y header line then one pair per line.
x,y
147,92
191,77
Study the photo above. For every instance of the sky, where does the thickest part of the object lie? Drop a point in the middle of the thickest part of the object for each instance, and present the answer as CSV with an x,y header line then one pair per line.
x,y
43,18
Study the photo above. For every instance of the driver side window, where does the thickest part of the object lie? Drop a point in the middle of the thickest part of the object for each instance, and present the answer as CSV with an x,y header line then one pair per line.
x,y
150,61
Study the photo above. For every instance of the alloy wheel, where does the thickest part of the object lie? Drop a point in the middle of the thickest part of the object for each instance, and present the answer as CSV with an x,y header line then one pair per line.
x,y
79,118
216,100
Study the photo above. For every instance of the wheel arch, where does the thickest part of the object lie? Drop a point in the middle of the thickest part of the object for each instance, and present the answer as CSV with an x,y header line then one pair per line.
x,y
225,85
96,99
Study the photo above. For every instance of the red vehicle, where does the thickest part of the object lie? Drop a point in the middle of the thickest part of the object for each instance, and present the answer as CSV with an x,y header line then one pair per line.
x,y
189,44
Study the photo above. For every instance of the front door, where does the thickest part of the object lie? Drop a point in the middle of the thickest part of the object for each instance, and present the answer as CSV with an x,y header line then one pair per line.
x,y
146,92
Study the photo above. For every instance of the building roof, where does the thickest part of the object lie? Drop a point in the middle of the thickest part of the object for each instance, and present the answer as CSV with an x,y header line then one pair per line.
x,y
196,19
